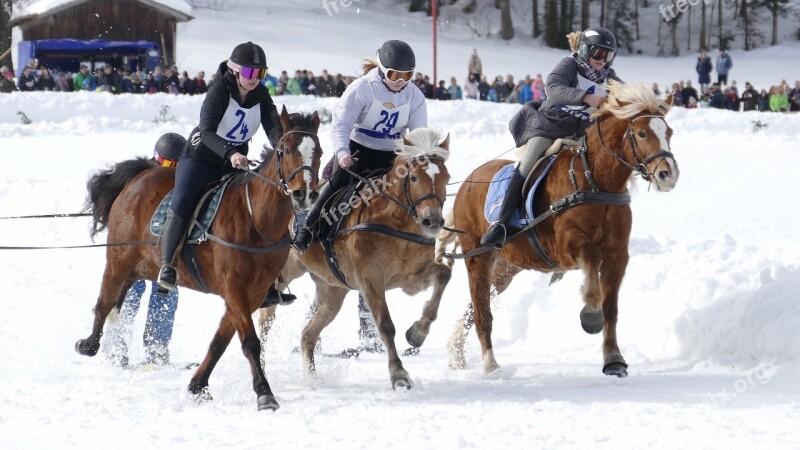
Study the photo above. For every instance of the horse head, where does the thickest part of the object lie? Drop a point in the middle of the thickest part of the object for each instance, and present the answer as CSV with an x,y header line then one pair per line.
x,y
422,175
645,144
298,152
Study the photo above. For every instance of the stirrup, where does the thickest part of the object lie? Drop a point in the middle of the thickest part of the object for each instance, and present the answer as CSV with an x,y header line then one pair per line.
x,y
167,279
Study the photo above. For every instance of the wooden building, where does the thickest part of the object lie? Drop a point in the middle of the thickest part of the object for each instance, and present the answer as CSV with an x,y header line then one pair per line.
x,y
111,20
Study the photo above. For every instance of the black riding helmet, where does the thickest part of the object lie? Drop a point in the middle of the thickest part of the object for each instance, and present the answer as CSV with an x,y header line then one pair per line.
x,y
249,55
170,146
396,55
597,37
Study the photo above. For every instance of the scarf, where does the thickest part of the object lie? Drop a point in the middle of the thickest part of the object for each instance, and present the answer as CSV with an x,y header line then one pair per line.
x,y
589,72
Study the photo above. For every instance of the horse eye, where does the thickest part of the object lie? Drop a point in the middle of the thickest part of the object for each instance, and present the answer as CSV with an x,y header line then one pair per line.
x,y
642,134
413,178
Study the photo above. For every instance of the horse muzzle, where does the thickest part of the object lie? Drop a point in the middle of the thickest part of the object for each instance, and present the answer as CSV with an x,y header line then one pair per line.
x,y
665,174
303,199
432,225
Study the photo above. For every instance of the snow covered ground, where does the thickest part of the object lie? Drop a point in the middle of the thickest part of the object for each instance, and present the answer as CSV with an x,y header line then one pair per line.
x,y
709,308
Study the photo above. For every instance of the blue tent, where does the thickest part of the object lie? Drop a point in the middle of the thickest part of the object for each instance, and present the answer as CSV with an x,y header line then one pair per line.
x,y
68,54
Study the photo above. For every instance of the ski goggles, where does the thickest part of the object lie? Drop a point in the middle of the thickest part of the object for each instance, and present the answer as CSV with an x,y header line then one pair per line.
x,y
250,73
601,54
396,76
164,162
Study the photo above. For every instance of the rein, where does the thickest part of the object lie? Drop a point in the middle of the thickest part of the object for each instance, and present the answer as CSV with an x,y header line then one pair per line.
x,y
641,164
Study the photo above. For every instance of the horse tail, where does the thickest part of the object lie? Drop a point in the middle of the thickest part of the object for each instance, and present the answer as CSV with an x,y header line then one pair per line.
x,y
445,238
105,186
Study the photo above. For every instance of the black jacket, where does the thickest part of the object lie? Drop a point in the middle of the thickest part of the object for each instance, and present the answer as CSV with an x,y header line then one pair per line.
x,y
204,143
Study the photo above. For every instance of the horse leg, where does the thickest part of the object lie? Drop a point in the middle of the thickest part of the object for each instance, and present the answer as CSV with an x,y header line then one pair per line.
x,y
376,300
455,345
591,315
417,333
612,272
198,386
266,317
329,303
478,269
112,295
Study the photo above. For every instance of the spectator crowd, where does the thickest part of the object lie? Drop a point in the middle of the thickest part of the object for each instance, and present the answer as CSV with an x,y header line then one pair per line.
x,y
501,89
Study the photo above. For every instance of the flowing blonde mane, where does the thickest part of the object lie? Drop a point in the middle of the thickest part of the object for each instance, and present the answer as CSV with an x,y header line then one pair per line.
x,y
626,101
422,142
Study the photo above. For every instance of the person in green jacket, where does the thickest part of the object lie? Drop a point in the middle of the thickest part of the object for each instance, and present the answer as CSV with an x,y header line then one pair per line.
x,y
778,99
83,74
293,87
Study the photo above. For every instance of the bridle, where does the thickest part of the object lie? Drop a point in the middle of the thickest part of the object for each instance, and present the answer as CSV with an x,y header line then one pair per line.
x,y
409,205
641,161
283,182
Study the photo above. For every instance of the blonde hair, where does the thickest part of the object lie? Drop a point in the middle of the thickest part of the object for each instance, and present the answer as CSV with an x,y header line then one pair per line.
x,y
574,40
421,142
368,64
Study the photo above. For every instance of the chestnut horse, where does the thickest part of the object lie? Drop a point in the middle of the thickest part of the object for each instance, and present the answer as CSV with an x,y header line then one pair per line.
x,y
378,249
630,137
253,216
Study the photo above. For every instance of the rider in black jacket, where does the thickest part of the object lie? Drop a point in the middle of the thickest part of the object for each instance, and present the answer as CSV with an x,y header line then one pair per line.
x,y
234,108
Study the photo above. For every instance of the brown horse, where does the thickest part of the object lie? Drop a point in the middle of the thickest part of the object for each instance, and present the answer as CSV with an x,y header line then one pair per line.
x,y
386,253
254,214
629,137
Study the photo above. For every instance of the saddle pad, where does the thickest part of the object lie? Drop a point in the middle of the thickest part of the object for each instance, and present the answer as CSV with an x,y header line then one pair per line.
x,y
211,201
497,192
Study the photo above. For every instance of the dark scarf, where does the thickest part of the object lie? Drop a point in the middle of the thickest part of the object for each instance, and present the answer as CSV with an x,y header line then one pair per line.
x,y
589,72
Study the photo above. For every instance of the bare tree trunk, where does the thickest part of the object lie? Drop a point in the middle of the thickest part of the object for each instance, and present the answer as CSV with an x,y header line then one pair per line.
x,y
537,27
636,9
719,23
584,14
506,24
775,12
676,51
5,34
710,25
702,26
746,21
689,31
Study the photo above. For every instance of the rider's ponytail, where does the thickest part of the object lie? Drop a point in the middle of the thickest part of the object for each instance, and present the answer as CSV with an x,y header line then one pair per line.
x,y
368,64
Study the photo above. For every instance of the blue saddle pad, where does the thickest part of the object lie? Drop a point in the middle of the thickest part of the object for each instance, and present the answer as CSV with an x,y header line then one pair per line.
x,y
498,189
205,216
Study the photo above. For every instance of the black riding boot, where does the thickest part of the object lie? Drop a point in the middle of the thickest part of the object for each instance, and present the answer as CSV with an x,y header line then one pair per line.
x,y
275,297
171,238
305,234
496,234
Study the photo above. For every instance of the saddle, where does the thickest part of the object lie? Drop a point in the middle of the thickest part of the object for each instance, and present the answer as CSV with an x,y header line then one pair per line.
x,y
199,225
557,146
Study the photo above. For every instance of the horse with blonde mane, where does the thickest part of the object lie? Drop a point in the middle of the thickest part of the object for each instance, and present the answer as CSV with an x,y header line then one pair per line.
x,y
582,218
378,247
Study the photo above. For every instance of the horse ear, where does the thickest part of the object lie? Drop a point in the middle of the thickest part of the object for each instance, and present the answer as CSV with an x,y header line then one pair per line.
x,y
666,104
446,143
286,121
406,141
315,121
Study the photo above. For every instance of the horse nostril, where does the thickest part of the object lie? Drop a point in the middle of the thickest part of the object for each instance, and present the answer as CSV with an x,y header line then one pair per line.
x,y
426,222
313,196
663,175
298,194
440,223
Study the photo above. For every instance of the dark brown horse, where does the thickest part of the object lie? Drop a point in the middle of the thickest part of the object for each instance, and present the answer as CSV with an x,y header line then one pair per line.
x,y
630,137
408,200
254,213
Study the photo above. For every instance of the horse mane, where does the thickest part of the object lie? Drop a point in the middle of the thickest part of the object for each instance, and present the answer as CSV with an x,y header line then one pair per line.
x,y
626,101
368,64
422,142
299,119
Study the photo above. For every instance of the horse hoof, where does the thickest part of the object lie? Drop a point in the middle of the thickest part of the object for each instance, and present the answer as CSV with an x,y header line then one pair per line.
x,y
402,381
592,321
267,403
414,338
619,370
615,366
202,396
84,347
